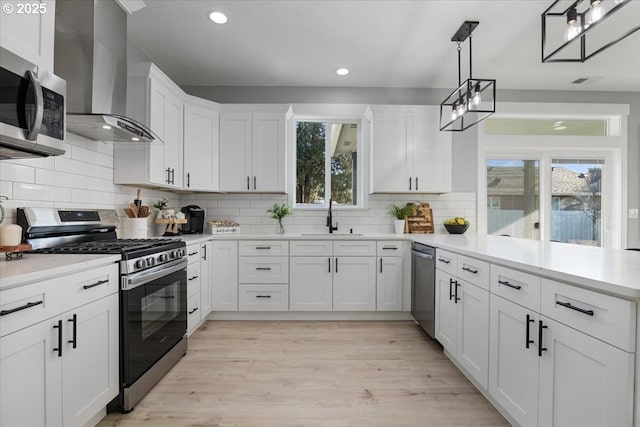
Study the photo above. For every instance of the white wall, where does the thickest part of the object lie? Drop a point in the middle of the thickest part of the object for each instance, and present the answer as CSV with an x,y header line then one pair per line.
x,y
250,211
81,178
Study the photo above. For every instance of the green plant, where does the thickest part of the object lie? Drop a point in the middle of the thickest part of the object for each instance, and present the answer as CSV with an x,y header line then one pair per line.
x,y
279,212
161,204
400,212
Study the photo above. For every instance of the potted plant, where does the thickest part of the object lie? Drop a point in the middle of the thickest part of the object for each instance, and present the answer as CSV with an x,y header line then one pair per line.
x,y
161,205
279,212
400,213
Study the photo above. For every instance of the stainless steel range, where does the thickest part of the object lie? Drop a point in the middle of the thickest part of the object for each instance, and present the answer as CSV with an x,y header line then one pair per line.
x,y
153,289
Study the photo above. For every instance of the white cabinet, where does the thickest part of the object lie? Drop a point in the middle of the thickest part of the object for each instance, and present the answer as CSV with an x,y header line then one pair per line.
x,y
154,100
201,122
389,280
310,283
354,281
193,288
462,323
409,153
61,370
205,279
264,279
28,31
252,148
224,275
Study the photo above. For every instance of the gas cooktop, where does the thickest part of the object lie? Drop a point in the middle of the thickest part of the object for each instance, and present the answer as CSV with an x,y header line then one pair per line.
x,y
109,246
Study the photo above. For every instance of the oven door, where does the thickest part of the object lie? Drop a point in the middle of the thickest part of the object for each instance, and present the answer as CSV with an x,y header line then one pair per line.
x,y
153,316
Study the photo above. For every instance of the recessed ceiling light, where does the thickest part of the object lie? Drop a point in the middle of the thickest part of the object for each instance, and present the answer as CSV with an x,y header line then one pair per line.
x,y
218,17
106,127
342,71
135,139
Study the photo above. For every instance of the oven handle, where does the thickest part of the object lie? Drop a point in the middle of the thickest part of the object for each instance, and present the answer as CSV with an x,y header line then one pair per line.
x,y
133,281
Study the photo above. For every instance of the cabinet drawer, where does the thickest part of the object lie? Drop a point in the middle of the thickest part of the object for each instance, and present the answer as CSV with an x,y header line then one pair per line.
x,y
86,286
311,248
27,305
607,318
447,261
264,247
193,253
474,271
263,298
264,269
193,278
390,248
521,288
193,311
354,248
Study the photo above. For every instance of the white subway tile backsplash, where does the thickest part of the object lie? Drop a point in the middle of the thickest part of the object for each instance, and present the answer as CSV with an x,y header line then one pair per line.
x,y
37,192
17,173
89,156
60,179
65,164
6,189
38,162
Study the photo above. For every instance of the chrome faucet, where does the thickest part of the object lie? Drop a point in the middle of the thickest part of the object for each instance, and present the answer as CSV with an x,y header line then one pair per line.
x,y
330,220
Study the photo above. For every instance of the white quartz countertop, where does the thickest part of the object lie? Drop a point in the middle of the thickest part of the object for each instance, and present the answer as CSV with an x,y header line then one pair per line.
x,y
311,236
611,271
36,267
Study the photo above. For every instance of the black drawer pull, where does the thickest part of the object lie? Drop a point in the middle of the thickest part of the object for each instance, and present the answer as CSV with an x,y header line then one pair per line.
x,y
193,253
22,307
192,278
389,248
446,261
263,296
263,268
456,298
98,283
194,310
506,283
451,282
58,326
263,247
74,340
540,347
573,307
529,340
470,270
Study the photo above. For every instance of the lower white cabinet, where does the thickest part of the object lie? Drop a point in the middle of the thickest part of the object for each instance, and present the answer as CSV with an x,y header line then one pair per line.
x,y
354,284
263,297
205,279
64,370
389,279
224,280
462,323
311,283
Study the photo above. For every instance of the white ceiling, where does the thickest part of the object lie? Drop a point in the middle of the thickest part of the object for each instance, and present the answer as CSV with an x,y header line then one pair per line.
x,y
404,44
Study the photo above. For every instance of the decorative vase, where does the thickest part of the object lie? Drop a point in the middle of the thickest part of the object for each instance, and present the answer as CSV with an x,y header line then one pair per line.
x,y
280,227
399,225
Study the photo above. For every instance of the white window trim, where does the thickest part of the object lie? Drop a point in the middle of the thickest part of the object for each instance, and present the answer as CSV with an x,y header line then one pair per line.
x,y
335,113
613,148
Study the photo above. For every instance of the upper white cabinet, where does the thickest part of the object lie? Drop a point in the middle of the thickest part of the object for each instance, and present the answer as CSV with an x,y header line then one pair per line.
x,y
252,148
201,122
409,153
28,31
154,100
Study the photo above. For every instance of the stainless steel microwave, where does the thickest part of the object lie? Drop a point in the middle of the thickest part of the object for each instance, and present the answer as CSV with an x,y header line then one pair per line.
x,y
32,109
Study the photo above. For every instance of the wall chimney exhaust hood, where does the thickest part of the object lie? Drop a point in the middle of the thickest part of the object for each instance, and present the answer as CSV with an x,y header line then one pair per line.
x,y
91,55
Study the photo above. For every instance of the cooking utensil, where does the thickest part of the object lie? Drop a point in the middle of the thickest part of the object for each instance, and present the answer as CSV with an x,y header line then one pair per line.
x,y
129,212
143,212
134,209
138,200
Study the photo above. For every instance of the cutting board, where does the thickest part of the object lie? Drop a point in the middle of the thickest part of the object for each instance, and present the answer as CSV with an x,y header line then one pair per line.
x,y
421,220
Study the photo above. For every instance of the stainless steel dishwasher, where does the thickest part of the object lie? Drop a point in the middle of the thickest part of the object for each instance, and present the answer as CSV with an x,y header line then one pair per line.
x,y
423,286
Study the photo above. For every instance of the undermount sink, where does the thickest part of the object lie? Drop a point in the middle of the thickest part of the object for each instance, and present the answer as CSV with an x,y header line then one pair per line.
x,y
331,234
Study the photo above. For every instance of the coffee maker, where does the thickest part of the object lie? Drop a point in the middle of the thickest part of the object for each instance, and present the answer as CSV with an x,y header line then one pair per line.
x,y
195,219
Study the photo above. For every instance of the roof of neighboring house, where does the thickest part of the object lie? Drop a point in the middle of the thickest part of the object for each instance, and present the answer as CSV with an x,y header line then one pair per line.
x,y
509,181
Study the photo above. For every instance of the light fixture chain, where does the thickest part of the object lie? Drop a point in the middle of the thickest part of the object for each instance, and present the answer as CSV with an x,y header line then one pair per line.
x,y
459,65
470,51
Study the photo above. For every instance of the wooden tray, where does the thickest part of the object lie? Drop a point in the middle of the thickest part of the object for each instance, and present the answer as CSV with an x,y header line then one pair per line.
x,y
171,221
16,250
421,220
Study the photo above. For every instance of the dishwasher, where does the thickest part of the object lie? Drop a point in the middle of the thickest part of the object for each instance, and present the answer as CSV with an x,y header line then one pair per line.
x,y
423,286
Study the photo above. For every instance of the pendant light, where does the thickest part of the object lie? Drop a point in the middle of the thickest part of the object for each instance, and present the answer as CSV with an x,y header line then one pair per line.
x,y
474,99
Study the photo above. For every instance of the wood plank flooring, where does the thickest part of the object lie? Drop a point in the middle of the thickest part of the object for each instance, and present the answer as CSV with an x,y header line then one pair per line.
x,y
308,374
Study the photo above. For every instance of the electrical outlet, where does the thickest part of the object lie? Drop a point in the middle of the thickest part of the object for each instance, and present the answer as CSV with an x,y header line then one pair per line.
x,y
633,213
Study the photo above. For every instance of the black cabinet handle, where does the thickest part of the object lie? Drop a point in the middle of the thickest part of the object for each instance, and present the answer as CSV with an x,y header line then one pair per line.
x,y
168,175
192,253
73,340
409,183
506,283
529,340
173,176
336,264
254,182
389,248
540,347
192,278
263,247
450,289
263,268
22,307
98,283
573,307
204,255
446,261
416,183
470,270
380,264
194,310
59,328
329,259
188,180
263,296
456,294
248,187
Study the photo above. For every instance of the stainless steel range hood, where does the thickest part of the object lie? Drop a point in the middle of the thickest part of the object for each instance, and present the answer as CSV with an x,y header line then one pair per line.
x,y
91,55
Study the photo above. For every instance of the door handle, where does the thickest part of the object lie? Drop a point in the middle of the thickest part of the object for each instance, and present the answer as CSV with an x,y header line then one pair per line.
x,y
573,307
336,264
58,326
98,283
409,183
263,268
529,340
36,124
456,295
22,307
506,283
74,340
329,259
540,347
204,255
380,264
450,289
248,188
470,270
416,183
254,182
188,179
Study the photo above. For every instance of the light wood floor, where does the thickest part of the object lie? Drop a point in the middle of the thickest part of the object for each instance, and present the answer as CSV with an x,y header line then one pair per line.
x,y
294,374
